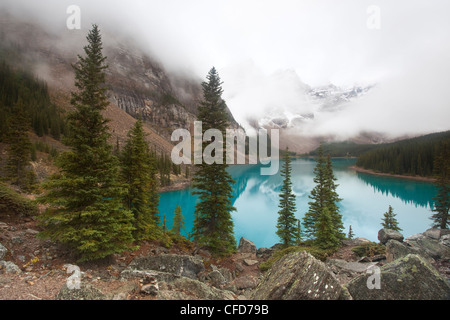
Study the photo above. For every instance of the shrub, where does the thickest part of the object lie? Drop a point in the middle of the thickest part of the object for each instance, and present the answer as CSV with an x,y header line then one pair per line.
x,y
11,202
369,249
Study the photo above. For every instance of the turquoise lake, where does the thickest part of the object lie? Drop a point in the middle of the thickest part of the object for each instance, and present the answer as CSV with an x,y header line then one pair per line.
x,y
365,199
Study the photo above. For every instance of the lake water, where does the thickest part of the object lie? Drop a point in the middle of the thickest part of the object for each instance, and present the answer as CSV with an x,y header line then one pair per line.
x,y
365,199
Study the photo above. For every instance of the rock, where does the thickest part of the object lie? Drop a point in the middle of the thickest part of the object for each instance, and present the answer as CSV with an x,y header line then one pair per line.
x,y
264,253
407,278
355,242
250,262
181,265
9,267
216,279
150,288
299,276
32,232
436,234
245,282
246,247
396,250
433,248
445,240
3,251
130,273
86,292
433,233
384,235
188,289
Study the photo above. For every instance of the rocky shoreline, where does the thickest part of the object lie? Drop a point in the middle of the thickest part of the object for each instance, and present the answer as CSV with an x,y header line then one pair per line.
x,y
413,268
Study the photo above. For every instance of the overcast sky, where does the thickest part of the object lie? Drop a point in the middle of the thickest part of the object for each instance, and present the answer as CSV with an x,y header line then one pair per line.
x,y
266,50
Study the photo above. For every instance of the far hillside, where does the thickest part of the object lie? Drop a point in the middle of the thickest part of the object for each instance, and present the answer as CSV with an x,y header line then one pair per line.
x,y
412,157
406,157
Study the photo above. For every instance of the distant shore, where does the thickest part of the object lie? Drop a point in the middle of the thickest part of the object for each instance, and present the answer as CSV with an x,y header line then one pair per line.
x,y
417,178
175,186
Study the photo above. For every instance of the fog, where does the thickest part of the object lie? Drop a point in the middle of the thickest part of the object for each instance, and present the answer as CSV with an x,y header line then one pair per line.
x,y
269,53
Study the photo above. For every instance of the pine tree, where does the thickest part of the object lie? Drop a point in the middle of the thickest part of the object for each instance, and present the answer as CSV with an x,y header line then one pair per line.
x,y
213,226
332,200
298,234
317,195
139,174
326,236
178,221
87,211
350,234
389,220
286,224
19,150
441,207
323,196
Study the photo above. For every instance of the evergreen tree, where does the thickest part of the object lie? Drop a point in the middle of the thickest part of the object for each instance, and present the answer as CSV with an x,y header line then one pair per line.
x,y
213,225
178,221
298,235
441,207
332,200
389,220
326,236
350,234
286,224
139,174
323,196
19,150
87,211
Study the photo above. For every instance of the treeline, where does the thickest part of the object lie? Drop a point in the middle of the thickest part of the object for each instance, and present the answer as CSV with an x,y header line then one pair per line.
x,y
344,149
407,157
20,89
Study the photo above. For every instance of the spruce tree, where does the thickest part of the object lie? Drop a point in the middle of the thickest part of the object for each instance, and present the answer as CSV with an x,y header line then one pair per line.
x,y
350,234
86,208
213,224
19,149
326,235
323,196
389,220
332,200
441,206
178,221
139,174
287,223
317,196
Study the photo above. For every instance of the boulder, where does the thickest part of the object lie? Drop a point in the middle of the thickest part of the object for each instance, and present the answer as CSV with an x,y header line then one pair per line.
x,y
9,267
396,250
299,276
184,288
431,247
384,235
181,265
407,278
86,292
3,251
246,246
436,234
216,278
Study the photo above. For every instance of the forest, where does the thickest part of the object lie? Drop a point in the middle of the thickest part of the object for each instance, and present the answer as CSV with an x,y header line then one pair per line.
x,y
414,156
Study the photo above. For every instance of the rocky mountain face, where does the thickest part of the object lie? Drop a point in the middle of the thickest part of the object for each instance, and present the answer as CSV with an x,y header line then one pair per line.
x,y
139,86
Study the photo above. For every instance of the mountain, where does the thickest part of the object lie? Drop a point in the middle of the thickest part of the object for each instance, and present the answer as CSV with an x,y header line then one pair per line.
x,y
139,86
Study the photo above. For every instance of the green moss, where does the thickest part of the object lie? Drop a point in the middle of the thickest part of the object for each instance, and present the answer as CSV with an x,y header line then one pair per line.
x,y
316,252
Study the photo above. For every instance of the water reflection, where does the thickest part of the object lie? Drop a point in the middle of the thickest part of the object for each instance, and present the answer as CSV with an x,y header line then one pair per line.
x,y
365,199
